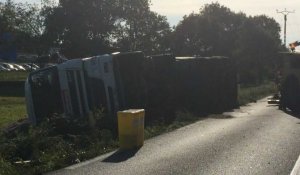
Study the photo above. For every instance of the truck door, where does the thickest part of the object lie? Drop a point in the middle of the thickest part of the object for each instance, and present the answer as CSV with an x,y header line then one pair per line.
x,y
73,88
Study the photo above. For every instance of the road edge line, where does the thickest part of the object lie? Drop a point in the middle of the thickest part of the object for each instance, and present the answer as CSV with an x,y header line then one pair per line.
x,y
296,169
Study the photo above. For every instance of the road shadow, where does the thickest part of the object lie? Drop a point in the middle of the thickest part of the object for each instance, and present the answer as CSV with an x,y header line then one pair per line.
x,y
220,116
293,114
121,156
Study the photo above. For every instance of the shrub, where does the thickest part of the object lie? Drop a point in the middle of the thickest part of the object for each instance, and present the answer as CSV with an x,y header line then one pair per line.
x,y
55,143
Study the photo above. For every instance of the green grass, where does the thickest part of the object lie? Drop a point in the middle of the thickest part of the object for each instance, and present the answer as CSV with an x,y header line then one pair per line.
x,y
254,93
12,109
13,76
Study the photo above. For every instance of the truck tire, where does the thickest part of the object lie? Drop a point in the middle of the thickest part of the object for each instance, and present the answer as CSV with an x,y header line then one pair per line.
x,y
290,93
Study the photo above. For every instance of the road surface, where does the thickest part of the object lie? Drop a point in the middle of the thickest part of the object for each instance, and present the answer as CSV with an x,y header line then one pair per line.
x,y
257,139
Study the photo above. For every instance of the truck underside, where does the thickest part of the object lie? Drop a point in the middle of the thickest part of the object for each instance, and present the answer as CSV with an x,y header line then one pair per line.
x,y
290,84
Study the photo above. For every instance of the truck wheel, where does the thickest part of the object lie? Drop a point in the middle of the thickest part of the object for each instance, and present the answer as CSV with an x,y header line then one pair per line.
x,y
291,94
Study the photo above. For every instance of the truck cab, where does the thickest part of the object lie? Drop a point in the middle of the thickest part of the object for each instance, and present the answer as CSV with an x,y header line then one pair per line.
x,y
74,88
78,87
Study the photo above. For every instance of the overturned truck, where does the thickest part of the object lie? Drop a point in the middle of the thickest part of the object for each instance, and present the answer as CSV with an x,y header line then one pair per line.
x,y
290,81
161,84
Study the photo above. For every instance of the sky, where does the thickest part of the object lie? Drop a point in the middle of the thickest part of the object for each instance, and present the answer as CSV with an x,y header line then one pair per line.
x,y
174,10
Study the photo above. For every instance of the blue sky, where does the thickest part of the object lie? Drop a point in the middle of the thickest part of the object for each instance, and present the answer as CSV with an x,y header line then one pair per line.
x,y
176,9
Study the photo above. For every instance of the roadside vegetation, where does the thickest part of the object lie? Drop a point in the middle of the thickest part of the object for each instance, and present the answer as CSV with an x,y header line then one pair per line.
x,y
13,76
27,150
12,101
12,109
249,94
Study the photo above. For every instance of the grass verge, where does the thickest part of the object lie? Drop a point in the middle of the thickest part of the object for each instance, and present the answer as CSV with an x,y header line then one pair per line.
x,y
28,152
13,76
251,94
12,109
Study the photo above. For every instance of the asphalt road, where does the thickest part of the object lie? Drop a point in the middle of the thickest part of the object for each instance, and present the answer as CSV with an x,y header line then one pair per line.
x,y
258,139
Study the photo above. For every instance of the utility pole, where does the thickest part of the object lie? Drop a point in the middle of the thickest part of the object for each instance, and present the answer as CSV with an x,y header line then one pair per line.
x,y
285,14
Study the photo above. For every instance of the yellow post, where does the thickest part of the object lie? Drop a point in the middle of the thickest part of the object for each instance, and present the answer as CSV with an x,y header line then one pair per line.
x,y
131,128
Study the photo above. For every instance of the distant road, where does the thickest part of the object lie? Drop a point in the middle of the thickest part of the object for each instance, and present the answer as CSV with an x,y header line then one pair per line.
x,y
259,139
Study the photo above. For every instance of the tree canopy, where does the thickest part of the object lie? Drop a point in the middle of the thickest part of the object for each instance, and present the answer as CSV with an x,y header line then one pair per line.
x,y
23,22
81,28
216,30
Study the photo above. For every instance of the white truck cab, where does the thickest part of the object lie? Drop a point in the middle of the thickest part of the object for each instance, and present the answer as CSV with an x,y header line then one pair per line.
x,y
76,88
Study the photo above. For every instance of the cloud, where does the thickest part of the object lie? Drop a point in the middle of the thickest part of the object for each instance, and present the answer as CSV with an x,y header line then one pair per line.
x,y
175,7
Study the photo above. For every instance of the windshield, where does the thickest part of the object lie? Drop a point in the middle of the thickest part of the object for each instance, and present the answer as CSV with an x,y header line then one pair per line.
x,y
45,91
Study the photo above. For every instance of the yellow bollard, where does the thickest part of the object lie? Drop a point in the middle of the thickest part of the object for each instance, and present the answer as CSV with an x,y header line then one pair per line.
x,y
131,128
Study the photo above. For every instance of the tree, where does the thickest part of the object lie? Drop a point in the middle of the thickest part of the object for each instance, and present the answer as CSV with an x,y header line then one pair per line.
x,y
84,28
187,38
216,30
23,22
149,33
81,28
209,32
257,46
